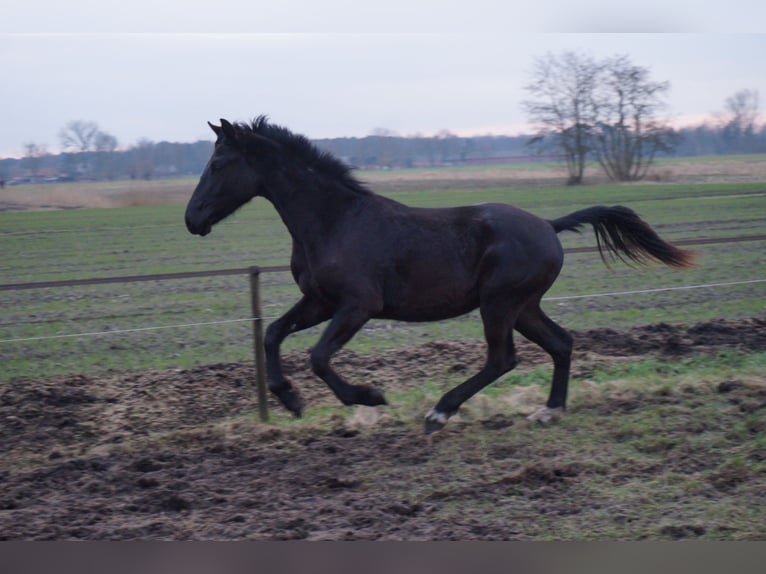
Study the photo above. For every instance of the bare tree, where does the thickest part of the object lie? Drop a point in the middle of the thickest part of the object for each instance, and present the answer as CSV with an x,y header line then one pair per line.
x,y
104,145
105,142
83,137
743,107
33,157
79,136
563,107
742,116
143,160
628,134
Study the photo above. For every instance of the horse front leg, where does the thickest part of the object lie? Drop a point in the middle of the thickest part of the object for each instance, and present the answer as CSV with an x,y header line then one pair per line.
x,y
304,314
344,325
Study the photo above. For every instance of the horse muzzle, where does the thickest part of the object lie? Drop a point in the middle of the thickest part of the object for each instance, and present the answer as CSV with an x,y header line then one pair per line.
x,y
197,223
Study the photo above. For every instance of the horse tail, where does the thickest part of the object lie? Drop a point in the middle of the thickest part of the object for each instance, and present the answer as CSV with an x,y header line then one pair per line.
x,y
622,234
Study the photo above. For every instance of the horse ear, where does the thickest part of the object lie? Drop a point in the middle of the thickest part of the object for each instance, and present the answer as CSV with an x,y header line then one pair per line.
x,y
216,129
228,130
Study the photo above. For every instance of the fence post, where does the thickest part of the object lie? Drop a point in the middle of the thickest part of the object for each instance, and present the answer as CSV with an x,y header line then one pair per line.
x,y
260,359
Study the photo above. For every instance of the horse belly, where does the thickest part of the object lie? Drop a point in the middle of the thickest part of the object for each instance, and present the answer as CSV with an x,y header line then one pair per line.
x,y
428,297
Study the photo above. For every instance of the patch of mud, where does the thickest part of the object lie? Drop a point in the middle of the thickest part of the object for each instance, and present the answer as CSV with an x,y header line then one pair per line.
x,y
178,455
676,340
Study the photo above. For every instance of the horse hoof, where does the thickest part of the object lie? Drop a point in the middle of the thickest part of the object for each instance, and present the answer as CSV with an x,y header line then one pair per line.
x,y
372,397
435,421
546,415
292,402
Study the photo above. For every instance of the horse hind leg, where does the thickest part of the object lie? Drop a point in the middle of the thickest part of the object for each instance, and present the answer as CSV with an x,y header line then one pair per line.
x,y
536,326
501,358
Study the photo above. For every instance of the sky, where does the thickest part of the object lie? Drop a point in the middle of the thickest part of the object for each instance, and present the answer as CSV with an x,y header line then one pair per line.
x,y
161,70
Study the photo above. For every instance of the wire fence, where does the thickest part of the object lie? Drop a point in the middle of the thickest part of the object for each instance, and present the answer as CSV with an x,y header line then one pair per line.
x,y
282,268
272,317
257,317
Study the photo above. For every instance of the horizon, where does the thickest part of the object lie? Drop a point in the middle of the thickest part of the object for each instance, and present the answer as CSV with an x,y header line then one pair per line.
x,y
519,130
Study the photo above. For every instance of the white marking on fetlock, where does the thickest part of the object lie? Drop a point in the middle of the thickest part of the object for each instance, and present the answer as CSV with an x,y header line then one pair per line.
x,y
437,417
546,415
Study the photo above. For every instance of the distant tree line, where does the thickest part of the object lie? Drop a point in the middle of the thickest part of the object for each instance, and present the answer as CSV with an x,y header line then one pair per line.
x,y
147,160
92,154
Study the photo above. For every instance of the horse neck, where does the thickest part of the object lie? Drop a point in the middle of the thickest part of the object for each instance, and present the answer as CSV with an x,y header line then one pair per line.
x,y
310,208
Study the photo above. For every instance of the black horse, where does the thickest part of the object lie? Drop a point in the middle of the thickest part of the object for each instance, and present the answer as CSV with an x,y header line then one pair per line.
x,y
358,256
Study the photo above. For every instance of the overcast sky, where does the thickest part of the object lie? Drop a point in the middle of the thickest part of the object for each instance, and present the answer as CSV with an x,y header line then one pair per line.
x,y
161,70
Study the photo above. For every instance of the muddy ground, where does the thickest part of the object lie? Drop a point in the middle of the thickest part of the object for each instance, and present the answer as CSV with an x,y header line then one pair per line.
x,y
179,455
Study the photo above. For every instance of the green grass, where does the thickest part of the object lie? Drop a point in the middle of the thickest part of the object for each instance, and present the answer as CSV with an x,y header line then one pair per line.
x,y
706,159
82,243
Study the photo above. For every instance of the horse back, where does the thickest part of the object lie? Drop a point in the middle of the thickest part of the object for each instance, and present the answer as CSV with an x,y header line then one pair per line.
x,y
436,263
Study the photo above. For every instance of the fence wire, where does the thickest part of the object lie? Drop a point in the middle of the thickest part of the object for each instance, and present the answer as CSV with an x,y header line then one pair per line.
x,y
250,319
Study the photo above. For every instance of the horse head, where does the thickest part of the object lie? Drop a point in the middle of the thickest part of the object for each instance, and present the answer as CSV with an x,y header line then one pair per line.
x,y
233,176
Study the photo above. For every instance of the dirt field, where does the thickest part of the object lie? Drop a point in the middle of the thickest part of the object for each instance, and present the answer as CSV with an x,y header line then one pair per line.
x,y
178,454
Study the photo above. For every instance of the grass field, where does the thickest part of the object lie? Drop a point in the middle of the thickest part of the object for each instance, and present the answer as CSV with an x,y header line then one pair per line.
x,y
82,243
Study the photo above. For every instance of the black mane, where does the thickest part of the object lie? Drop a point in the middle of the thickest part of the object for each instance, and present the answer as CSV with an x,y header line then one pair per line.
x,y
301,148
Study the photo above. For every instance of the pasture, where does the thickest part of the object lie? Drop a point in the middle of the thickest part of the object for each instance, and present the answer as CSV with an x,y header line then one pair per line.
x,y
52,245
150,434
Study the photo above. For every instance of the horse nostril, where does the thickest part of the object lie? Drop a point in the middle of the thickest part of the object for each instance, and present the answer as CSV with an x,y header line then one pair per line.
x,y
191,224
